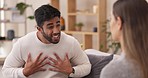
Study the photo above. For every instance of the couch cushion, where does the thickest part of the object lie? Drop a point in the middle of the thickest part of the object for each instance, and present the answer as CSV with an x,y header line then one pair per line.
x,y
98,62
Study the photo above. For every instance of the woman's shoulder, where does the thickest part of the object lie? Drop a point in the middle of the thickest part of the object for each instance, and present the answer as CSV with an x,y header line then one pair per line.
x,y
110,70
120,68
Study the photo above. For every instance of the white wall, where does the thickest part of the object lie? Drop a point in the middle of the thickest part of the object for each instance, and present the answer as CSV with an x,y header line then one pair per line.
x,y
109,6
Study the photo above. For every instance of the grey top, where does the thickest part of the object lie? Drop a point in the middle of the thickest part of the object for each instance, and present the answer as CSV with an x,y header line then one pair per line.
x,y
121,68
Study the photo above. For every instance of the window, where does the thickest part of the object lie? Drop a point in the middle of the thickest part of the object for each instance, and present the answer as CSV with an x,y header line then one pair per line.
x,y
2,25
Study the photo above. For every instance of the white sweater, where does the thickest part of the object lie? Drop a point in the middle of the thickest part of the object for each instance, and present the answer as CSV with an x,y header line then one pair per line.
x,y
15,61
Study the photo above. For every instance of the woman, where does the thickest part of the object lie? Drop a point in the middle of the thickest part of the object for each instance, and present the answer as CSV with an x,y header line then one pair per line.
x,y
129,26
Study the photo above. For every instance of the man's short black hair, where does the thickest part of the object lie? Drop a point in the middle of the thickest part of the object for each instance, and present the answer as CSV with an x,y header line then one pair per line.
x,y
45,13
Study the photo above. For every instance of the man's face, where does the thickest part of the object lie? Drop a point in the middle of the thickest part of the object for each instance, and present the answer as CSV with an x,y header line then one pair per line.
x,y
51,30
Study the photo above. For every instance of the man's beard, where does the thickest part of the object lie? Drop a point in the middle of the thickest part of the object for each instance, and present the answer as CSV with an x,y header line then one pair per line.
x,y
49,38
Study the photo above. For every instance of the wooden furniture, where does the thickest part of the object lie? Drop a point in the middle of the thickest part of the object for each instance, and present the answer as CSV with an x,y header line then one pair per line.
x,y
99,13
55,3
11,19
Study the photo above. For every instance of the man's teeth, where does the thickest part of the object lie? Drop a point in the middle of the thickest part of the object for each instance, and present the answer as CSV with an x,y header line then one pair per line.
x,y
56,36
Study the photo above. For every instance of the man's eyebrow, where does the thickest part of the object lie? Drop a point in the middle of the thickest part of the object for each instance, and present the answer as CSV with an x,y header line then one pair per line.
x,y
50,24
58,22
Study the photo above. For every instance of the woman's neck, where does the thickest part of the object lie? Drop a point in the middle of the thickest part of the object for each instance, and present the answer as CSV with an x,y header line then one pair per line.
x,y
122,44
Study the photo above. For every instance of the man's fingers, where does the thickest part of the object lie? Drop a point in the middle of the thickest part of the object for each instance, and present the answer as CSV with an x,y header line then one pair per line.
x,y
43,59
43,64
58,58
54,69
66,57
29,57
53,65
53,60
41,69
38,57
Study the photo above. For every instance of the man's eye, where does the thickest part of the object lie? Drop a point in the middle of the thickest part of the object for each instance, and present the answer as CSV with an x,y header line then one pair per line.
x,y
50,27
58,25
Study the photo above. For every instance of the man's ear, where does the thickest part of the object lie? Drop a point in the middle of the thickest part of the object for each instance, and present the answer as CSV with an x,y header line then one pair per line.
x,y
39,28
119,23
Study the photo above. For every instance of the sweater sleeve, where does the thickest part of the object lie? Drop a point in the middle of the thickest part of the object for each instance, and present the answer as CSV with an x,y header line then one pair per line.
x,y
12,67
80,61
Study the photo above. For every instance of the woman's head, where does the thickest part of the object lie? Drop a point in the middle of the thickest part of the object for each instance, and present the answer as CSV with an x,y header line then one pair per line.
x,y
129,14
131,22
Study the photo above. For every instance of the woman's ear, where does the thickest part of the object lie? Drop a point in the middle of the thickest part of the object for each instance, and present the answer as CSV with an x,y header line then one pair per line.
x,y
119,23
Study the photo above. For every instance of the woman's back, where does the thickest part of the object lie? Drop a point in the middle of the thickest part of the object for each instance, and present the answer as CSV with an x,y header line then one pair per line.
x,y
121,68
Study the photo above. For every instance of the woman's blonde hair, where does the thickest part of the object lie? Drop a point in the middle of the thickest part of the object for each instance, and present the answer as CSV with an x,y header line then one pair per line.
x,y
134,17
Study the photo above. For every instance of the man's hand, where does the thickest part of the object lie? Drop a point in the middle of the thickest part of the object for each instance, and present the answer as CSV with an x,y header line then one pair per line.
x,y
60,65
32,67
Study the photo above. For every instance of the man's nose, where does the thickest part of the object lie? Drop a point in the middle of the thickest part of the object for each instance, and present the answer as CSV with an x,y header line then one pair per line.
x,y
55,34
55,30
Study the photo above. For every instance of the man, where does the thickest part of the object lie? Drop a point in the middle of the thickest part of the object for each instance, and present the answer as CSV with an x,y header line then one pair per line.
x,y
48,52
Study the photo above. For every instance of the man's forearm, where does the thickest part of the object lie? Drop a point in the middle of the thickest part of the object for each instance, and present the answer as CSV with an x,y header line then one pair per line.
x,y
13,72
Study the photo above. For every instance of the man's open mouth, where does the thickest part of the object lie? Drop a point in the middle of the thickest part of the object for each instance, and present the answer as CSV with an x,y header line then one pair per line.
x,y
56,37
